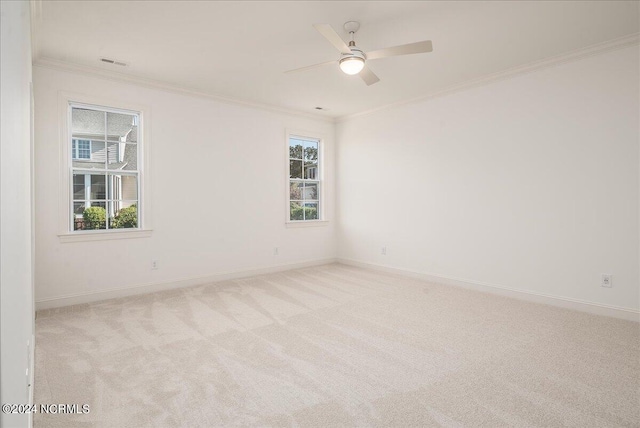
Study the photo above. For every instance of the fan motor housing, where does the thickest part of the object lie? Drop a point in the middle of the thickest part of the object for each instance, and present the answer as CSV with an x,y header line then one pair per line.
x,y
355,53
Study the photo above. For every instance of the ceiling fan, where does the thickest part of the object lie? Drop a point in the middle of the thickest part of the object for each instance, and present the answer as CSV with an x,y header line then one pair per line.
x,y
352,59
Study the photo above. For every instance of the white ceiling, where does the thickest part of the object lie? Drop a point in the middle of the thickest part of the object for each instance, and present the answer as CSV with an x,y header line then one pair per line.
x,y
241,49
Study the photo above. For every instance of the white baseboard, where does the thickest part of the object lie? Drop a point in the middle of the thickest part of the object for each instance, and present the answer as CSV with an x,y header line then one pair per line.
x,y
94,296
563,302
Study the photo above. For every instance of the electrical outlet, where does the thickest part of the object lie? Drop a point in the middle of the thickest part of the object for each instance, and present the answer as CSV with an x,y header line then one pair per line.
x,y
384,251
607,280
276,251
154,264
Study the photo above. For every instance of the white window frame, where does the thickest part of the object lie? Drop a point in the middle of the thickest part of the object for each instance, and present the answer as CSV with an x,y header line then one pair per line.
x,y
311,136
67,234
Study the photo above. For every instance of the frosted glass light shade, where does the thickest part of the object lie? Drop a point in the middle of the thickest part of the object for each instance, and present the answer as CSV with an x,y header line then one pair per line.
x,y
353,65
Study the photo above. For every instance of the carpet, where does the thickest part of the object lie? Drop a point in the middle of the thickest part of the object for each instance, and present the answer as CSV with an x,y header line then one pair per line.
x,y
334,345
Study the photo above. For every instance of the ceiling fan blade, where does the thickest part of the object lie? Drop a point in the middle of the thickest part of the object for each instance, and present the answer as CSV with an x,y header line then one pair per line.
x,y
330,34
309,67
368,76
411,48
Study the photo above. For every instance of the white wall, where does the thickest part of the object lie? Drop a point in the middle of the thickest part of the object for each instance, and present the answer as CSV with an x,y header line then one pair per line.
x,y
16,293
529,183
218,180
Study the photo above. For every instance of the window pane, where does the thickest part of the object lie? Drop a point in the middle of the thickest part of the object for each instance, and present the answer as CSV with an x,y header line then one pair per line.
x,y
295,190
78,221
122,127
311,151
88,154
92,185
295,169
92,217
87,123
310,191
310,210
295,148
100,204
295,210
78,187
113,155
122,186
81,149
98,188
126,215
310,170
78,208
123,156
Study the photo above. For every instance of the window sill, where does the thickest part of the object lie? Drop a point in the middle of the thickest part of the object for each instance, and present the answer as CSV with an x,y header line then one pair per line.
x,y
309,223
103,235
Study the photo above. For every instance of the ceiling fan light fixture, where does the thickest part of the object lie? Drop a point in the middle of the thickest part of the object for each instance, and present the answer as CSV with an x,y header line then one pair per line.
x,y
351,65
352,60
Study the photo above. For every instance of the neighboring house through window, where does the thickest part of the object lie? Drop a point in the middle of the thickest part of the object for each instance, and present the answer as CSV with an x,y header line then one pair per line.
x,y
105,173
81,149
304,178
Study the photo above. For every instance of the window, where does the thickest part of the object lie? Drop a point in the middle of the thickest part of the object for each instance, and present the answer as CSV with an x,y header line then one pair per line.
x,y
304,179
81,149
104,168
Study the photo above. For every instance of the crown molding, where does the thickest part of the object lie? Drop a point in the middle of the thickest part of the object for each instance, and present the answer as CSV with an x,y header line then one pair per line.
x,y
89,71
600,48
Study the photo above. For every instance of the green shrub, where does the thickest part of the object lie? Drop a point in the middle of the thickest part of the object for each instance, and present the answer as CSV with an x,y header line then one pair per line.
x,y
309,213
296,212
126,218
94,218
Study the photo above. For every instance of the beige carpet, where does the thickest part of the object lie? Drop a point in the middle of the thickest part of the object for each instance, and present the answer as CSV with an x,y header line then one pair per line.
x,y
335,346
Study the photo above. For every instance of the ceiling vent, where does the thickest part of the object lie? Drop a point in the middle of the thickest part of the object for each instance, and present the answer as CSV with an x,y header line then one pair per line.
x,y
113,61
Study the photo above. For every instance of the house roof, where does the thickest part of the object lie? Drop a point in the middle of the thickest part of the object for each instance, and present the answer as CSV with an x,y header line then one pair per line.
x,y
90,124
92,165
130,158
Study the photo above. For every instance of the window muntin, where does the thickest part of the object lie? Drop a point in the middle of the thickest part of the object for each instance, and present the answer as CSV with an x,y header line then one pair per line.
x,y
304,179
105,173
